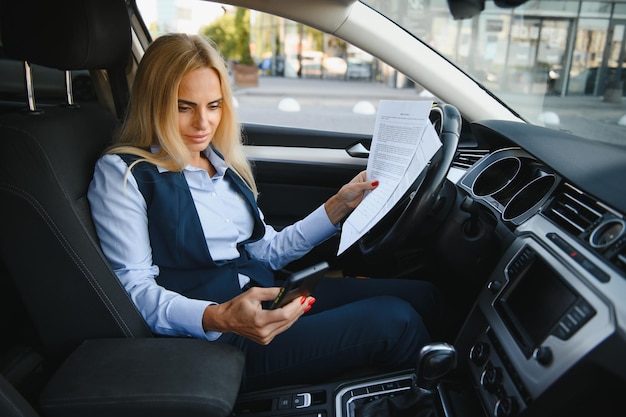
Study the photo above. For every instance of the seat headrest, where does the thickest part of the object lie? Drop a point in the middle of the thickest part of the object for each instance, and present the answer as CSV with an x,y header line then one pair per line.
x,y
67,34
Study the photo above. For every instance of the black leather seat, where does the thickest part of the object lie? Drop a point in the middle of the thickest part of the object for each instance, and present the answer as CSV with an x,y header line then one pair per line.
x,y
48,242
12,404
81,313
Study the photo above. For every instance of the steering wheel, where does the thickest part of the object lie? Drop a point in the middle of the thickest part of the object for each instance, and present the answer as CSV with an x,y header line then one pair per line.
x,y
412,209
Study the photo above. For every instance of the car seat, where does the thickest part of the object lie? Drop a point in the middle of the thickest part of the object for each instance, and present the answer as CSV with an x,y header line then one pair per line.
x,y
102,356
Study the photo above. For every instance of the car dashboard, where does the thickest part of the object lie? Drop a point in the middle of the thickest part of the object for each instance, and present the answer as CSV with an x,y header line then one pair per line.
x,y
544,331
549,323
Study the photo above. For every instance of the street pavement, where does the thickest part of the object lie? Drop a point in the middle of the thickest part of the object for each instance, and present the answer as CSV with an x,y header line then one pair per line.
x,y
349,106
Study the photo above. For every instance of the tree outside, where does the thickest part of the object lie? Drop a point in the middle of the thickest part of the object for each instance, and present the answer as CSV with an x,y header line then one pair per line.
x,y
231,34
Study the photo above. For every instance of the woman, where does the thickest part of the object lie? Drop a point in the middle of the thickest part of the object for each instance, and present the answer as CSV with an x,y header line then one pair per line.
x,y
174,204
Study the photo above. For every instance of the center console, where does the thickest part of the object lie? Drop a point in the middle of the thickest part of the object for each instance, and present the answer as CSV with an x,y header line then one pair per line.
x,y
408,392
536,321
327,400
543,338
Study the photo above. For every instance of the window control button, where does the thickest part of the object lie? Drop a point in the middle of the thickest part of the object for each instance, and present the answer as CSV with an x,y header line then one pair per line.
x,y
284,402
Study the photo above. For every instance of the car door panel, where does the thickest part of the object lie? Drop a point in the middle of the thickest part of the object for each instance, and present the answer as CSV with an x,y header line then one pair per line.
x,y
295,175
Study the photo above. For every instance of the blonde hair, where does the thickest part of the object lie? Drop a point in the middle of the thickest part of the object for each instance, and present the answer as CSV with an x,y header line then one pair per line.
x,y
152,117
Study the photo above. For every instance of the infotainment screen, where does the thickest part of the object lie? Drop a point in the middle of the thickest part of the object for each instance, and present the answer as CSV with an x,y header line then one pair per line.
x,y
534,303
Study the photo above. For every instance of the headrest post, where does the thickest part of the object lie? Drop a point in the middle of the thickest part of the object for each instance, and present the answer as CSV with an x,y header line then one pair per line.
x,y
30,91
68,88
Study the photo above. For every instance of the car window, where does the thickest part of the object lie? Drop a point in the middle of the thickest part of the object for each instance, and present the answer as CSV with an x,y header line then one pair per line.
x,y
294,76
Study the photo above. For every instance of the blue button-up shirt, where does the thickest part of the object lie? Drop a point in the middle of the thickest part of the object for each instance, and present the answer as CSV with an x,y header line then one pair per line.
x,y
119,213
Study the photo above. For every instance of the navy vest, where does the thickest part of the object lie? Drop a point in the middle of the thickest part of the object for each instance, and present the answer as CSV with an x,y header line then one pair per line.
x,y
178,244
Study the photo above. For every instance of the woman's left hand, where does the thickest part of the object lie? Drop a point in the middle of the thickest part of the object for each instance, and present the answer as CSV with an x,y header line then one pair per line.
x,y
244,315
348,197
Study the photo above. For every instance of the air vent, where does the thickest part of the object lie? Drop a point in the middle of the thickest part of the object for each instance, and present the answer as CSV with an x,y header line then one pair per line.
x,y
574,211
599,227
466,158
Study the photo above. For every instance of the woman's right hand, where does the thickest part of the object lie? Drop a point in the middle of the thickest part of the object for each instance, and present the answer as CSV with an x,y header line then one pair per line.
x,y
244,315
348,197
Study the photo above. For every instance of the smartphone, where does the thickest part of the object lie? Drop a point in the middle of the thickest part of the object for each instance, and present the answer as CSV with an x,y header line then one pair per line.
x,y
299,284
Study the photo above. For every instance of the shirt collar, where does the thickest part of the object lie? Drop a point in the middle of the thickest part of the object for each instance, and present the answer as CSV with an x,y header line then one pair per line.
x,y
213,155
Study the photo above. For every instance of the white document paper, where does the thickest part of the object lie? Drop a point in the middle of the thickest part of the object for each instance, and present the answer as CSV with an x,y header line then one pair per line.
x,y
404,141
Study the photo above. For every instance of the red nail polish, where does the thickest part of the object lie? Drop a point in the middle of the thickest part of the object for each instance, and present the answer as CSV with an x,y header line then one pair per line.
x,y
306,310
375,183
312,301
302,300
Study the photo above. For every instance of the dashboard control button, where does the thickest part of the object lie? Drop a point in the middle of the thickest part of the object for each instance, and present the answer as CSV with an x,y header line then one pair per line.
x,y
494,286
561,332
491,378
388,386
506,407
599,274
579,314
302,400
543,355
375,388
479,353
585,309
284,402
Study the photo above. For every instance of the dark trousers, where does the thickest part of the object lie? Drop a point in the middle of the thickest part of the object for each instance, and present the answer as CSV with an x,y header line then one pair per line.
x,y
354,324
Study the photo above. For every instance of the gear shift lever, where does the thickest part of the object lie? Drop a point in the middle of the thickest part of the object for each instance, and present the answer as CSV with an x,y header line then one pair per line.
x,y
435,360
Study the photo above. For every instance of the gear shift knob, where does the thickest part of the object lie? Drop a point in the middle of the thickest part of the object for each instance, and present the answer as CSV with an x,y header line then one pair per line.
x,y
435,360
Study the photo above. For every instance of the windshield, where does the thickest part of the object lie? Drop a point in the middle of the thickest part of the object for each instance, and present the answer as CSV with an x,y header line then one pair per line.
x,y
555,63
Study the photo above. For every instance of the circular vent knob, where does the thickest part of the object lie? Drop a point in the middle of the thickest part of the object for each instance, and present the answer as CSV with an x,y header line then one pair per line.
x,y
607,233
